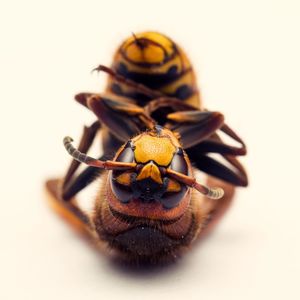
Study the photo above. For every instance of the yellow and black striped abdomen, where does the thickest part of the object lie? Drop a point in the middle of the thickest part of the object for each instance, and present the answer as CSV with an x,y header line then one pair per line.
x,y
156,61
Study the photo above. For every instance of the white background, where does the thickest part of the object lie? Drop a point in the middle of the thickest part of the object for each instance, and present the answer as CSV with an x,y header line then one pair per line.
x,y
246,55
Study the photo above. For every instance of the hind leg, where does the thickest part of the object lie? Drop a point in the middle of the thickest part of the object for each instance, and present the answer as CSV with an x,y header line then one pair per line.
x,y
61,192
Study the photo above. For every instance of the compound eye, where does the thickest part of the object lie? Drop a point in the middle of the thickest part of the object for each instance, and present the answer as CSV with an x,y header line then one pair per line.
x,y
171,200
122,193
178,163
126,154
120,185
120,180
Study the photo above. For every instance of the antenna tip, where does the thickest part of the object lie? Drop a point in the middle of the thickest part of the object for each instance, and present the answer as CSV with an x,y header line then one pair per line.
x,y
215,193
68,139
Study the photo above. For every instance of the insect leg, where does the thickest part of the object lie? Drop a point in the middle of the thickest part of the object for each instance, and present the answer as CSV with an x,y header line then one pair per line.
x,y
62,192
87,176
162,103
176,105
235,175
86,141
195,126
138,86
123,119
239,167
67,209
214,144
82,98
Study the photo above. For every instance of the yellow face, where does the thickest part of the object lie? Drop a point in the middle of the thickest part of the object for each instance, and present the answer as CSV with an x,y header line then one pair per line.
x,y
154,152
157,149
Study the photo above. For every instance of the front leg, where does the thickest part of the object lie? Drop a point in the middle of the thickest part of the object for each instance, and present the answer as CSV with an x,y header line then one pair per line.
x,y
118,114
179,113
130,83
121,118
61,192
234,174
86,141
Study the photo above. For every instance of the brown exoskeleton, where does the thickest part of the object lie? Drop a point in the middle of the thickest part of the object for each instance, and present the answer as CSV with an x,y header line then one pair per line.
x,y
146,209
152,71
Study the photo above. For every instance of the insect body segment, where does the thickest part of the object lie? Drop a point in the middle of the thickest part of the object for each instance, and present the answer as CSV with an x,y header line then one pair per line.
x,y
155,61
149,205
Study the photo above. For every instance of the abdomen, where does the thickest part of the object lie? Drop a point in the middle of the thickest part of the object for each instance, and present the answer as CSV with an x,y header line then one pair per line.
x,y
157,62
